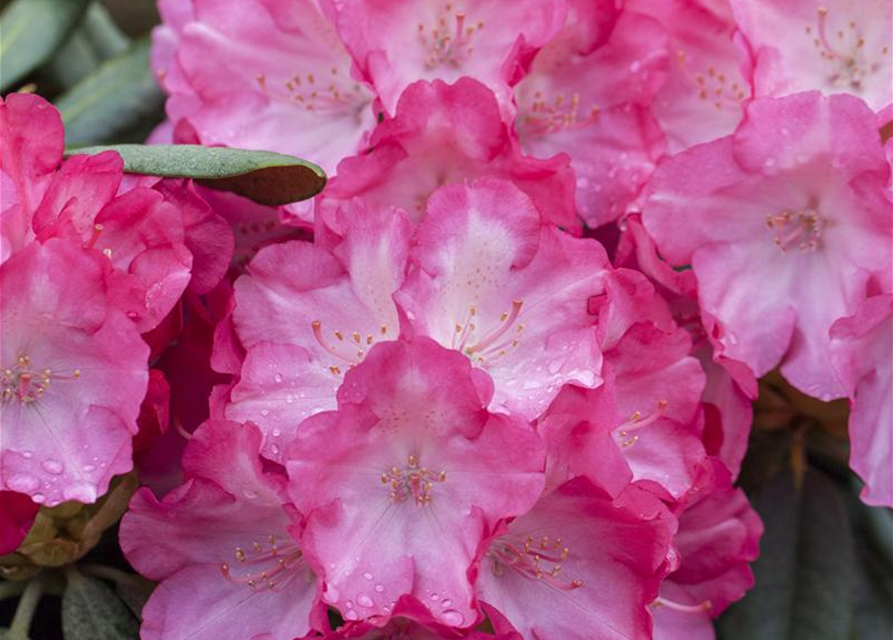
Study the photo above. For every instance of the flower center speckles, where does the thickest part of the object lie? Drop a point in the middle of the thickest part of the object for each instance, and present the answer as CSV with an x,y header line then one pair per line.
x,y
326,93
801,229
637,421
555,113
265,565
850,60
25,383
348,349
451,40
484,346
713,86
412,481
535,559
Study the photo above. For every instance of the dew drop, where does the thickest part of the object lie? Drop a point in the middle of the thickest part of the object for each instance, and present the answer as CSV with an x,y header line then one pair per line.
x,y
278,377
351,615
331,592
264,412
80,492
447,603
349,604
39,498
635,66
289,398
365,601
277,433
275,449
251,495
435,597
27,454
368,575
89,467
379,588
23,483
452,617
52,466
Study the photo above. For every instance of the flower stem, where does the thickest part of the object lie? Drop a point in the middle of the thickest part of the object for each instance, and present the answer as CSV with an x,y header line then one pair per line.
x,y
21,622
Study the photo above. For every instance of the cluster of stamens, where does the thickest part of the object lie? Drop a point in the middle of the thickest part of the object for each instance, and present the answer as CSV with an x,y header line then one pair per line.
x,y
494,343
848,53
636,422
448,44
801,229
348,349
712,85
548,116
315,93
412,481
267,565
25,385
536,559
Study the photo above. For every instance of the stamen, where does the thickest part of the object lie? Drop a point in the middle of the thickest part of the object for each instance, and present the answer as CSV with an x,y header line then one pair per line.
x,y
682,608
532,561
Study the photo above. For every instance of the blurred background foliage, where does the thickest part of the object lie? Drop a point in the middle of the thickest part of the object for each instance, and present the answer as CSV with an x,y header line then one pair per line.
x,y
826,567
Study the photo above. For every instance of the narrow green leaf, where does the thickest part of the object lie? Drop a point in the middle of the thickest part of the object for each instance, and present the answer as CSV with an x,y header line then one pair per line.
x,y
265,177
100,28
30,31
92,611
117,95
805,575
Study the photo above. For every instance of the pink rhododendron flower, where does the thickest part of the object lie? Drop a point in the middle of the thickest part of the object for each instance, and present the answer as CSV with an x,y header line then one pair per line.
x,y
411,620
591,105
17,512
786,227
222,546
31,144
860,350
73,373
831,45
579,565
718,537
306,315
511,292
702,98
402,483
262,74
441,134
396,42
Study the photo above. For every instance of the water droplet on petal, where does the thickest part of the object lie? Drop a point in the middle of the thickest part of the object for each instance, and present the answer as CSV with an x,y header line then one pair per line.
x,y
364,601
251,495
452,617
39,498
52,466
275,449
28,454
88,468
447,603
351,615
435,597
349,604
379,588
277,433
278,377
367,575
265,412
23,483
80,492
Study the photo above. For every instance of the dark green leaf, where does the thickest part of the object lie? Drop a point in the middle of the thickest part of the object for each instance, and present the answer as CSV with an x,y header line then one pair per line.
x,y
107,39
92,611
115,96
31,31
805,575
268,178
135,594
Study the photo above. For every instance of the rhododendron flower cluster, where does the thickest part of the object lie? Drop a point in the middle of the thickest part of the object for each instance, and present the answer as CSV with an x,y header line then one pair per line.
x,y
496,380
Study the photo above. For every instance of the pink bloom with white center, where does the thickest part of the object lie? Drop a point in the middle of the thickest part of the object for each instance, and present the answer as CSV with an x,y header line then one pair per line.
x,y
307,315
262,74
17,512
401,485
396,42
73,373
579,565
511,292
702,99
31,143
718,537
835,46
592,104
443,133
223,547
795,198
860,350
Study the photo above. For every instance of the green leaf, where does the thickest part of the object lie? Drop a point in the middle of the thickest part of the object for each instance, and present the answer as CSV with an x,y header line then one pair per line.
x,y
107,39
805,574
92,611
31,31
265,177
94,41
114,97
